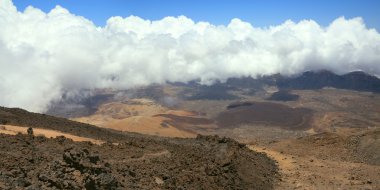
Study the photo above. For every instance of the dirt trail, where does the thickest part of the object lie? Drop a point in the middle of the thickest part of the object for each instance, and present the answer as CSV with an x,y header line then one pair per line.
x,y
286,164
13,130
308,172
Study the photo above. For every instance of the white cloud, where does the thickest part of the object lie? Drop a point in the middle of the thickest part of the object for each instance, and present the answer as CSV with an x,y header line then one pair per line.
x,y
44,54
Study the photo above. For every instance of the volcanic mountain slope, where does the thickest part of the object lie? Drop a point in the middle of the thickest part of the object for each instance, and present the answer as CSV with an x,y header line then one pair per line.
x,y
356,80
324,110
126,161
310,80
233,89
320,127
339,150
319,109
321,131
147,117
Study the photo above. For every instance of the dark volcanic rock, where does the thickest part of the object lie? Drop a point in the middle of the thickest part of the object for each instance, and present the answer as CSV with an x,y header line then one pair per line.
x,y
134,162
78,170
264,113
357,80
207,162
283,95
217,91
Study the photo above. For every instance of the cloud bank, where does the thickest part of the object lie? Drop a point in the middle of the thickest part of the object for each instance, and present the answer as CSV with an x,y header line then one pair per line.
x,y
43,55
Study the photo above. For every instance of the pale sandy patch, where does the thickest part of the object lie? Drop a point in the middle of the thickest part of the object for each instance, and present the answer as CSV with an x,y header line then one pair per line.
x,y
13,130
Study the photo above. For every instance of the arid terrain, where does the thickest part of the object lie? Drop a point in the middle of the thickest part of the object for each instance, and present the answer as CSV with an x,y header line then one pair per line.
x,y
321,138
347,159
190,95
163,137
115,160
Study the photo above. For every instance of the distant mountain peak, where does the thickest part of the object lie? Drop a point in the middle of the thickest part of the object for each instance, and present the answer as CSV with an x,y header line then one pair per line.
x,y
355,80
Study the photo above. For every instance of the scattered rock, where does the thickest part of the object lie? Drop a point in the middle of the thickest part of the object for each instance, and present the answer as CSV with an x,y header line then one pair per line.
x,y
208,162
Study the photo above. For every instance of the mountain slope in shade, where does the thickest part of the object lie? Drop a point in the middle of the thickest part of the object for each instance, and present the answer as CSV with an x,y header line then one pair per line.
x,y
356,80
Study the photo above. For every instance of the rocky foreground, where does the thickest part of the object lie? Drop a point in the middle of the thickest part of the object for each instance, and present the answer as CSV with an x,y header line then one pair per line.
x,y
207,162
125,160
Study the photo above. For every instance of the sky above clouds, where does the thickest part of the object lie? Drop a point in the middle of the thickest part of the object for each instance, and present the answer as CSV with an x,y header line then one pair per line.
x,y
260,13
45,53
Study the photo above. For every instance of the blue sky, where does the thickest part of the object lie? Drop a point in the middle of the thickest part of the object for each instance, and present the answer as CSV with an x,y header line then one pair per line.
x,y
66,54
258,12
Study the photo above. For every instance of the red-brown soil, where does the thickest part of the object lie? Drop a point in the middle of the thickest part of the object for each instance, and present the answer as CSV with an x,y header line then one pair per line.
x,y
186,119
146,117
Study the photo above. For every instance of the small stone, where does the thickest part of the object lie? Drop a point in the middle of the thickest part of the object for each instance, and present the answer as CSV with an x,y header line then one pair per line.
x,y
158,180
43,177
76,173
30,131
